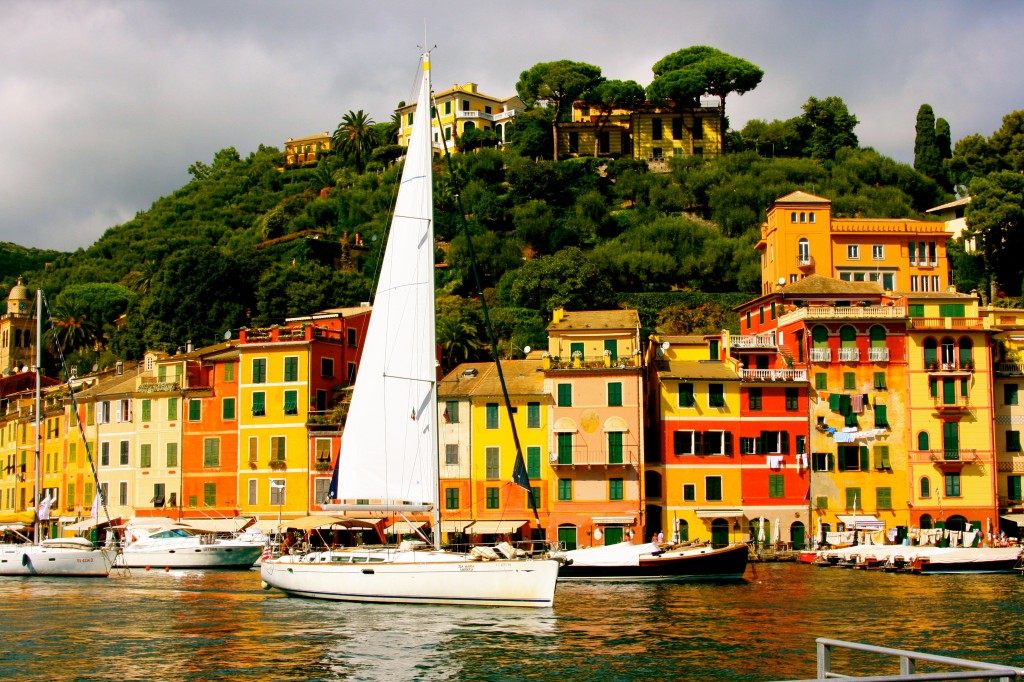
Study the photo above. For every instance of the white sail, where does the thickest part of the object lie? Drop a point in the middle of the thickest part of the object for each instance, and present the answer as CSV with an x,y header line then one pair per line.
x,y
389,446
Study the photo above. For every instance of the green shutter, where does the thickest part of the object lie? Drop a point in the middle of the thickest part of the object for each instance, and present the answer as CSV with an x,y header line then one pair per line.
x,y
611,346
728,442
820,381
879,381
915,309
881,418
565,448
615,394
784,442
697,450
565,395
146,408
259,404
865,464
883,498
615,447
533,462
849,380
291,402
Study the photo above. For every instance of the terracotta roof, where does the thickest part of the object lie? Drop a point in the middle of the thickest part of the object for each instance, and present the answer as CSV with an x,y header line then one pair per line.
x,y
696,369
799,197
825,286
596,319
522,377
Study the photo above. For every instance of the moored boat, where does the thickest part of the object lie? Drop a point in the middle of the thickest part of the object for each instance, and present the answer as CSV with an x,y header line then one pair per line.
x,y
179,546
651,562
56,557
967,560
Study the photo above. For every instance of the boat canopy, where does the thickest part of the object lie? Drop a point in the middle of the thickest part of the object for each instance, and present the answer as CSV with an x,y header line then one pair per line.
x,y
863,522
403,527
311,522
495,527
455,526
234,524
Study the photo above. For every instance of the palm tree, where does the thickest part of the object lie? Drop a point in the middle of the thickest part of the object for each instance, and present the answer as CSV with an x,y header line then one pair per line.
x,y
72,329
457,338
356,137
140,279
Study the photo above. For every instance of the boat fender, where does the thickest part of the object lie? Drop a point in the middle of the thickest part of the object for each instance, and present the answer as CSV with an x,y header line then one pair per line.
x,y
25,561
264,584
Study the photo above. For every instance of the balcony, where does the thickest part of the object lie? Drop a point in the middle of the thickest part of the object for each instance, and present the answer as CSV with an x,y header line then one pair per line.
x,y
952,459
852,312
753,342
773,374
959,403
849,354
947,323
821,355
878,354
951,368
582,457
805,262
1010,368
592,362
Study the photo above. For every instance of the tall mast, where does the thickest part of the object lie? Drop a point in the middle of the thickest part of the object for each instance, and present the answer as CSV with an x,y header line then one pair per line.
x,y
39,411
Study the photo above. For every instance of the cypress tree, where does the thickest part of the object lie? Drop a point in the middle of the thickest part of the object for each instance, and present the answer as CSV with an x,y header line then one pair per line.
x,y
926,151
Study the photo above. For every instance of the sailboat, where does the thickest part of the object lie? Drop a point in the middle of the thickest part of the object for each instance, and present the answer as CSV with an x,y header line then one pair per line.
x,y
53,556
389,449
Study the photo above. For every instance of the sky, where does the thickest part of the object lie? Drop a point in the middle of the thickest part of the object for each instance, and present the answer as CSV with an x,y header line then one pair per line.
x,y
104,104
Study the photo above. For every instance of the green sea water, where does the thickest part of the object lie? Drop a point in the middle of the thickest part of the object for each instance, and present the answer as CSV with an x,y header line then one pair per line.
x,y
221,626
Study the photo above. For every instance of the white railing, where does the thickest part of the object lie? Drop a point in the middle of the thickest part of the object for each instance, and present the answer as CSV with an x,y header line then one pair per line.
x,y
753,341
878,354
1010,368
821,355
822,312
849,354
773,374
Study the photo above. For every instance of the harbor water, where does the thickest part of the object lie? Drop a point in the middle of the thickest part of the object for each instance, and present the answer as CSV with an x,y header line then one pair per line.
x,y
192,625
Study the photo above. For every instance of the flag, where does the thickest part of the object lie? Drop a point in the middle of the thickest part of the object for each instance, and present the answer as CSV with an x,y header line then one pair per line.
x,y
807,495
447,417
413,414
95,507
332,492
520,476
43,512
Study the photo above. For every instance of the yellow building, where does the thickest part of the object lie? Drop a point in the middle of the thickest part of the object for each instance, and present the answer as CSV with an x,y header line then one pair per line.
x,y
461,108
17,330
953,455
1008,399
306,150
801,237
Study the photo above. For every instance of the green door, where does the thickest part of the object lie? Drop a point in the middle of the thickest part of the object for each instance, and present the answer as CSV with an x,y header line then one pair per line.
x,y
719,532
613,535
951,440
567,537
948,391
796,532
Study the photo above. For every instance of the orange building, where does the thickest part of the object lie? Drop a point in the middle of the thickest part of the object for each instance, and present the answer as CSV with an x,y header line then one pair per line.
x,y
801,238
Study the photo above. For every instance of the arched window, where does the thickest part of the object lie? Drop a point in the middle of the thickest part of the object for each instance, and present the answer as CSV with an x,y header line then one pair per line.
x,y
499,130
17,338
948,351
847,337
719,532
803,217
804,251
926,521
468,125
922,440
877,336
957,523
819,337
931,355
684,530
926,487
966,354
797,536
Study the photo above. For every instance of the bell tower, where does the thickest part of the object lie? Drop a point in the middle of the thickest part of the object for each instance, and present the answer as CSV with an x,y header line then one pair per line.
x,y
17,331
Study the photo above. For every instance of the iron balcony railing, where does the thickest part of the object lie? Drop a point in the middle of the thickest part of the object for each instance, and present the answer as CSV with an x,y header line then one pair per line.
x,y
626,456
821,355
823,312
849,354
878,354
773,374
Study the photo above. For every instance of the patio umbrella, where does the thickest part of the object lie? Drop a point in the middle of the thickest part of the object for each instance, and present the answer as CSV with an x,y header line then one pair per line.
x,y
821,533
776,533
760,531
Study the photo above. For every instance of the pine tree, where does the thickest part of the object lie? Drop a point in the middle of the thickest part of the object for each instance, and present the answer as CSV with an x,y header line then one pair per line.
x,y
926,151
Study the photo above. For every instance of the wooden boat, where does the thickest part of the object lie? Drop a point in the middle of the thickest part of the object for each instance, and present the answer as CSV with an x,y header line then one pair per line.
x,y
651,562
966,560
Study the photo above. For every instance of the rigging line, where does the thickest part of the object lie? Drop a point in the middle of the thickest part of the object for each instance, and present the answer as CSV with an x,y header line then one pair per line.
x,y
519,470
74,408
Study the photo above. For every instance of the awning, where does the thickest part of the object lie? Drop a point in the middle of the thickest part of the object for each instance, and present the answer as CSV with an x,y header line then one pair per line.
x,y
83,525
719,512
495,527
404,527
311,522
864,522
67,519
13,526
1013,518
231,525
266,525
455,526
613,520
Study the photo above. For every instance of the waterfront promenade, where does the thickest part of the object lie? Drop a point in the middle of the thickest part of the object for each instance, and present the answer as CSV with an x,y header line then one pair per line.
x,y
191,625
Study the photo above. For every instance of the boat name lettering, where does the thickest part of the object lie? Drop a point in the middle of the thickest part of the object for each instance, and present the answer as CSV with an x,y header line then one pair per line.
x,y
464,567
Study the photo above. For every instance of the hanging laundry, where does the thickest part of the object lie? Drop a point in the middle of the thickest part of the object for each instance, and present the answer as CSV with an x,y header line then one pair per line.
x,y
844,436
857,403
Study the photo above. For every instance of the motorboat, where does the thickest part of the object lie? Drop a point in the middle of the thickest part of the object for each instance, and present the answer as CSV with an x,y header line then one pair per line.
x,y
654,562
180,546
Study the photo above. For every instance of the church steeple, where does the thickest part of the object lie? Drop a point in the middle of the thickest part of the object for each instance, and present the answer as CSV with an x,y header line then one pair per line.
x,y
17,330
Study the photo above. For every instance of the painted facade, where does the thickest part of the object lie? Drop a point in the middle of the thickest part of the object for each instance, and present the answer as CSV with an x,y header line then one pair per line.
x,y
461,108
306,150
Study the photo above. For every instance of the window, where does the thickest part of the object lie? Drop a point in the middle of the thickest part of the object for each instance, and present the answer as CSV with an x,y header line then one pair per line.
x,y
615,489
322,452
881,417
615,394
792,400
147,408
124,410
853,251
686,398
689,492
655,128
228,408
493,498
492,463
72,453
145,455
682,443
533,497
533,461
804,252
716,395
451,411
259,370
277,490
792,217
451,454
564,489
327,368
849,458
820,381
104,416
352,337
879,381
748,446
124,458
849,381
801,445
229,372
717,443
491,415
615,447
253,449
172,454
565,395
774,442
952,480
1010,394
776,485
922,440
533,415
259,404
755,399
252,487
122,493
933,258
105,453
195,410
713,488
277,447
291,402
854,499
1013,488
882,462
451,498
1013,441
211,452
172,409
926,487
291,368
883,498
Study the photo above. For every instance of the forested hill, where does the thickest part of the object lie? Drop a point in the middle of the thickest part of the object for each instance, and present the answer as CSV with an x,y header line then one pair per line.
x,y
247,244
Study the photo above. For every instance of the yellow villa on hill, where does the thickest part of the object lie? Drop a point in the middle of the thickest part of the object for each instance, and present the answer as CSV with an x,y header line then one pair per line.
x,y
461,108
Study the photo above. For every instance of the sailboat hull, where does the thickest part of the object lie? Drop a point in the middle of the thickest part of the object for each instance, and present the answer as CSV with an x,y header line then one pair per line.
x,y
415,578
40,560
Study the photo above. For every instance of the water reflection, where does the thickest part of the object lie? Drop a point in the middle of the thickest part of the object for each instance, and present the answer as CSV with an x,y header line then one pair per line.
x,y
220,625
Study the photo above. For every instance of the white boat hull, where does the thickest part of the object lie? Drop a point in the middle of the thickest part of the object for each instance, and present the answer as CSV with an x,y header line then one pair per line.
x,y
200,556
54,561
415,578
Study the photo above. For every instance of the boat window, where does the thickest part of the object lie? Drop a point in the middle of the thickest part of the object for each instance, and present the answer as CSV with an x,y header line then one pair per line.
x,y
376,560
